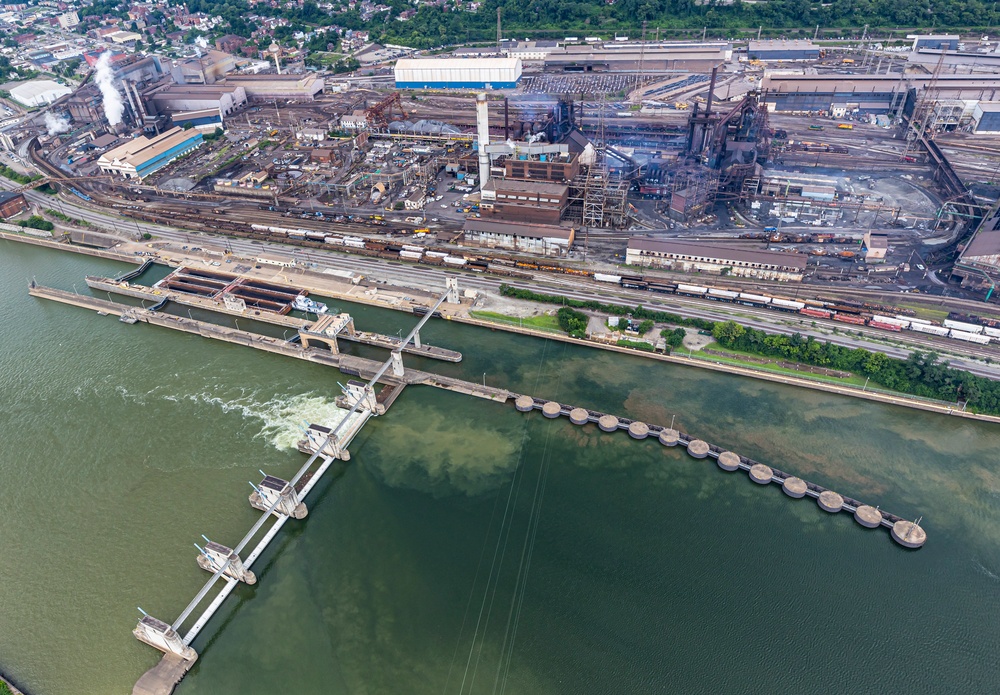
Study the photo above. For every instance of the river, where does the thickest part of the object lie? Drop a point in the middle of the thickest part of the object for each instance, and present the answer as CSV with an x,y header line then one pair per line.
x,y
468,548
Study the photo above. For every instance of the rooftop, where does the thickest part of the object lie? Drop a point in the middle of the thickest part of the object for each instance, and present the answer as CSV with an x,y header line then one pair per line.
x,y
779,45
445,63
986,242
515,186
533,231
142,149
718,251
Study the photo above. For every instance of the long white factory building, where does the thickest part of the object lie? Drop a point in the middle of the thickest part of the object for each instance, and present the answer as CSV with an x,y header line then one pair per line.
x,y
458,73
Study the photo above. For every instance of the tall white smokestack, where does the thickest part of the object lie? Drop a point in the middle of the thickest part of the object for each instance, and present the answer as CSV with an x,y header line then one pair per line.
x,y
483,124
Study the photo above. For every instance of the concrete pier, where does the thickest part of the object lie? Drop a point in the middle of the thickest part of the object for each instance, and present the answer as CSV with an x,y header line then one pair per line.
x,y
761,474
794,487
608,423
551,409
727,460
867,516
908,534
698,449
669,437
830,501
638,430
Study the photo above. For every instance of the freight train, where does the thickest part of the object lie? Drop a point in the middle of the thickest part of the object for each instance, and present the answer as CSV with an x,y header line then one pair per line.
x,y
868,314
858,315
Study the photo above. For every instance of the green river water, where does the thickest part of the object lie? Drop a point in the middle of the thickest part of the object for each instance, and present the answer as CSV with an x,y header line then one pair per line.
x,y
468,548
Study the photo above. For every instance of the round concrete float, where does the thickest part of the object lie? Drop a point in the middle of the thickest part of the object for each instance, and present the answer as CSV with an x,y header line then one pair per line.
x,y
578,416
794,487
669,437
524,403
867,516
638,430
830,501
608,423
728,461
551,409
698,448
908,534
759,473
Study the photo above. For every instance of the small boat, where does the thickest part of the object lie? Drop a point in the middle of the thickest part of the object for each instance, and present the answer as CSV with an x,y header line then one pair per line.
x,y
302,303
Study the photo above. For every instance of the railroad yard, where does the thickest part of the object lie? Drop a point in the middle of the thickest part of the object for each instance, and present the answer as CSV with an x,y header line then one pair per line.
x,y
703,160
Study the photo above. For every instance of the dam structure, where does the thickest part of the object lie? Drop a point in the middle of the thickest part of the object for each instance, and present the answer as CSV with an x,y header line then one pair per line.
x,y
281,500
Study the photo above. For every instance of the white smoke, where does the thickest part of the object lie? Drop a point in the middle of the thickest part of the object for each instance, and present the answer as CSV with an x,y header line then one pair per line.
x,y
56,124
200,42
105,79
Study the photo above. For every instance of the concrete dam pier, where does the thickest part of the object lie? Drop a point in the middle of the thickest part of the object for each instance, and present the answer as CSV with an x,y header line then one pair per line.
x,y
906,533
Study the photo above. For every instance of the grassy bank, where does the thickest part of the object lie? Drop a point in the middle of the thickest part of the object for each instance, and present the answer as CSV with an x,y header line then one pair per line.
x,y
543,322
745,359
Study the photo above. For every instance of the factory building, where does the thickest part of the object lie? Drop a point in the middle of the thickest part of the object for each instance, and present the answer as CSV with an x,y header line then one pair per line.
x,y
651,58
206,69
955,62
38,92
457,73
939,41
265,87
874,246
142,156
137,69
714,258
774,51
524,201
214,101
11,204
983,250
840,95
543,166
205,119
986,118
541,239
533,51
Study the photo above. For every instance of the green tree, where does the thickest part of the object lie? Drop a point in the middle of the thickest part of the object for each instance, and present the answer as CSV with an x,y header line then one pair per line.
x,y
728,332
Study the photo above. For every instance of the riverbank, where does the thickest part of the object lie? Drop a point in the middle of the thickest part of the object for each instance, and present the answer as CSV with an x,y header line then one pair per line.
x,y
691,361
406,300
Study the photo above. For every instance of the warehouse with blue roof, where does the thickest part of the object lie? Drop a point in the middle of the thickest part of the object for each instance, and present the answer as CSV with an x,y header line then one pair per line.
x,y
141,156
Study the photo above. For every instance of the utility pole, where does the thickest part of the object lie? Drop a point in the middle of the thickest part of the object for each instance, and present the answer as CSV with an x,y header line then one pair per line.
x,y
499,35
759,29
816,33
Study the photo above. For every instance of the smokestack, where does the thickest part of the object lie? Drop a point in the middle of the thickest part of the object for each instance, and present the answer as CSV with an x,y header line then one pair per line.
x,y
711,93
138,100
131,102
506,120
483,125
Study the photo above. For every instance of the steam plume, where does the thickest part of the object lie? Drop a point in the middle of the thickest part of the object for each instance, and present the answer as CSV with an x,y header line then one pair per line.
x,y
112,100
56,124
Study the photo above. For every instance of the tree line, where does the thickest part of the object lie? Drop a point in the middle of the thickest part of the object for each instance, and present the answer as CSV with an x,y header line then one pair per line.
x,y
919,374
